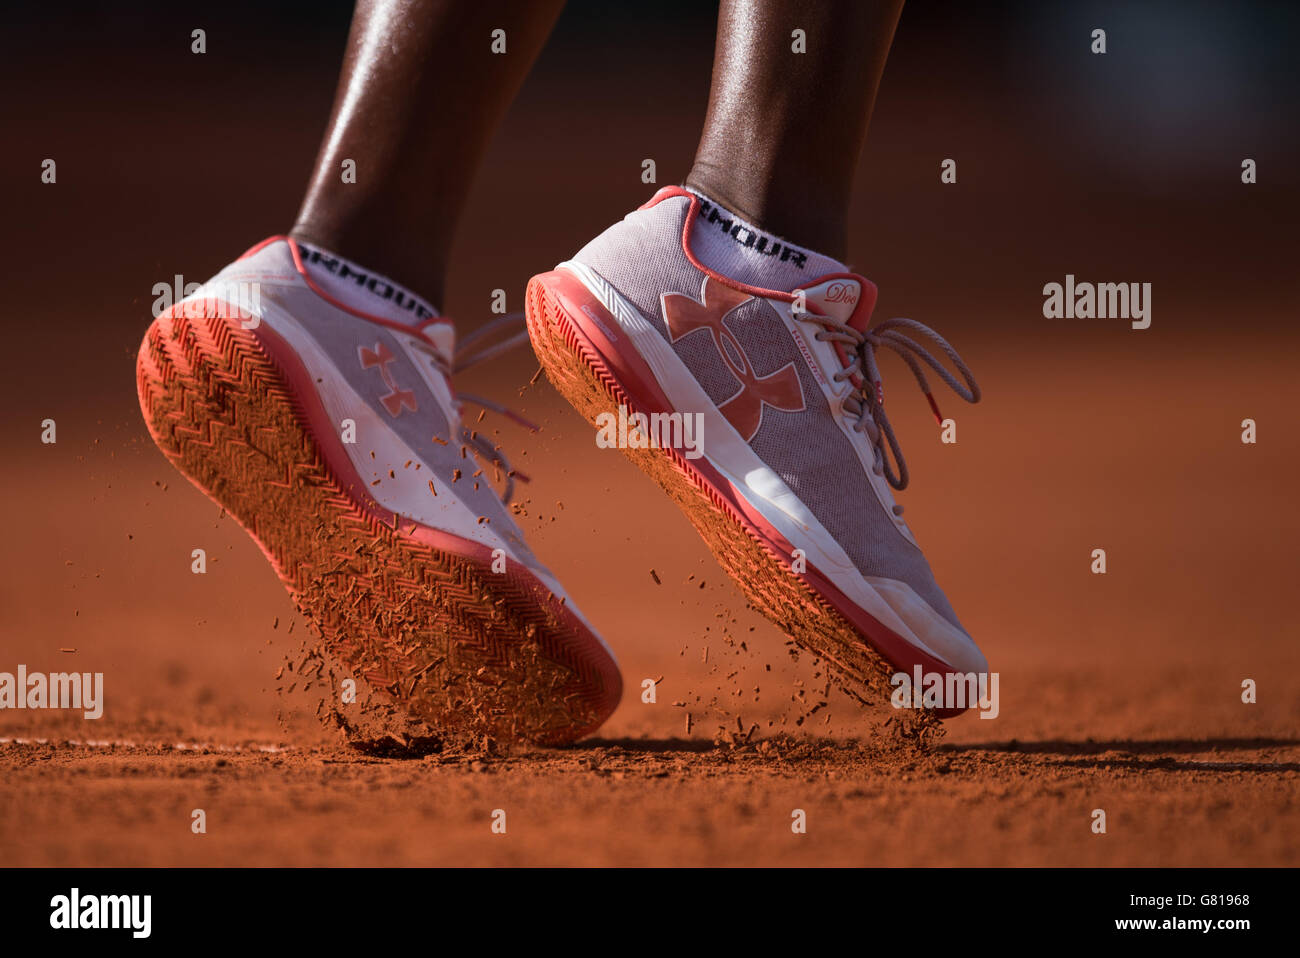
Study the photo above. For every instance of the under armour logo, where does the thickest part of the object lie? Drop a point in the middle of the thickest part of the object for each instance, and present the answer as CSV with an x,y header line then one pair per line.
x,y
395,399
744,409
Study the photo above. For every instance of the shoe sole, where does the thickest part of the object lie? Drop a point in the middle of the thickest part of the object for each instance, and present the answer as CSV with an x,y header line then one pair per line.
x,y
416,611
582,374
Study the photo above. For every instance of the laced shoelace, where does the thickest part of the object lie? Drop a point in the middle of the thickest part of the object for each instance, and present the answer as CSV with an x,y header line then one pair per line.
x,y
471,351
867,403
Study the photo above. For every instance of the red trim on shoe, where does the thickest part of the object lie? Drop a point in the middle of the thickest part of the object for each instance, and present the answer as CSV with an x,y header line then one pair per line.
x,y
262,245
666,192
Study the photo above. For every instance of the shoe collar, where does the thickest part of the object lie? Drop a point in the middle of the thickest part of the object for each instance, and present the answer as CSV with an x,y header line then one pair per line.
x,y
438,332
847,297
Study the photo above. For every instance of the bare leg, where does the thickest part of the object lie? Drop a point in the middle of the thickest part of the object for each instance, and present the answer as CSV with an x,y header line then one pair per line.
x,y
784,130
420,95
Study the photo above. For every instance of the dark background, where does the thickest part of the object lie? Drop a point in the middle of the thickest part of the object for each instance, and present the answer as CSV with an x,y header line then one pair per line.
x,y
1117,167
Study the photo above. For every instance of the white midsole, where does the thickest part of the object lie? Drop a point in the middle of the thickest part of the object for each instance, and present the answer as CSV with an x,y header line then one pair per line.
x,y
892,603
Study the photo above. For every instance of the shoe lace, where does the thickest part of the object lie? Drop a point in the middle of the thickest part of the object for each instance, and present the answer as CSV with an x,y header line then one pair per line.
x,y
473,349
866,403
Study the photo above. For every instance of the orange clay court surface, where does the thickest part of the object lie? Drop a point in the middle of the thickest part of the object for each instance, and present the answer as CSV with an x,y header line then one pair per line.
x,y
1118,692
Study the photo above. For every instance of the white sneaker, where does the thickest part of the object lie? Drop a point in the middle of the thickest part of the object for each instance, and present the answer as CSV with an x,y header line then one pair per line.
x,y
335,438
791,484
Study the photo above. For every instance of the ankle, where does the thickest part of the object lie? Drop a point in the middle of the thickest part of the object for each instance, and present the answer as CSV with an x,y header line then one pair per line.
x,y
795,214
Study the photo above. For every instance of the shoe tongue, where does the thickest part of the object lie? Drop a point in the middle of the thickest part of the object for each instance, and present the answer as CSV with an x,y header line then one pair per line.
x,y
846,299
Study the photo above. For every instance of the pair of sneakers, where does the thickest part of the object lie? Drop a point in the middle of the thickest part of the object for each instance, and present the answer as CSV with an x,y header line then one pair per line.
x,y
333,434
